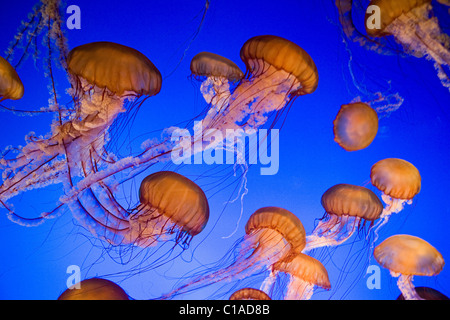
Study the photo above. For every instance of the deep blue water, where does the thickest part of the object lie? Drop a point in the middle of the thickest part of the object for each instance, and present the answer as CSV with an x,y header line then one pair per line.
x,y
34,261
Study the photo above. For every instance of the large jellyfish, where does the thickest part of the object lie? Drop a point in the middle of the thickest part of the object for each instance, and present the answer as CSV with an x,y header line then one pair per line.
x,y
104,77
249,294
347,209
94,289
172,207
399,182
272,234
355,126
410,22
305,274
11,86
406,256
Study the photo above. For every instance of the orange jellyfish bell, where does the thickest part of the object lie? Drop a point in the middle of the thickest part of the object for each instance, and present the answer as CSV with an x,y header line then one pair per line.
x,y
94,289
282,54
170,203
281,221
249,294
405,256
116,67
355,126
207,64
11,86
396,178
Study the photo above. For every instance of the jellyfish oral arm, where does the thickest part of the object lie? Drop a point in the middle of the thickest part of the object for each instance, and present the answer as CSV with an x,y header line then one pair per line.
x,y
332,231
298,289
405,285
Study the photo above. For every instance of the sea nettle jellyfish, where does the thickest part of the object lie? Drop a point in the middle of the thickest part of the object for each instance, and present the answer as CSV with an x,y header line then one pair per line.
x,y
305,275
11,86
406,256
107,78
172,208
399,182
272,234
355,126
94,289
215,72
347,209
249,294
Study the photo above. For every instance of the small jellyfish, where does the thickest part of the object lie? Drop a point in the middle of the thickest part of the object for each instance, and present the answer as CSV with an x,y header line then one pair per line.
x,y
172,208
406,256
249,294
305,274
94,289
11,86
272,234
347,209
399,182
355,126
216,73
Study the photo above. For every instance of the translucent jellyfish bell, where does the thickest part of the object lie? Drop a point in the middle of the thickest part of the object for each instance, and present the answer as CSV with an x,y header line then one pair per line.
x,y
406,256
347,209
412,24
272,234
355,126
305,274
11,86
120,69
249,294
94,289
172,207
399,181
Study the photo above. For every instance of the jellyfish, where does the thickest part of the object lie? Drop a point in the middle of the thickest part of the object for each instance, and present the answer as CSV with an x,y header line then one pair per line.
x,y
399,182
11,87
355,126
305,274
215,72
107,78
406,256
172,208
412,25
347,209
272,234
249,294
426,293
94,289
